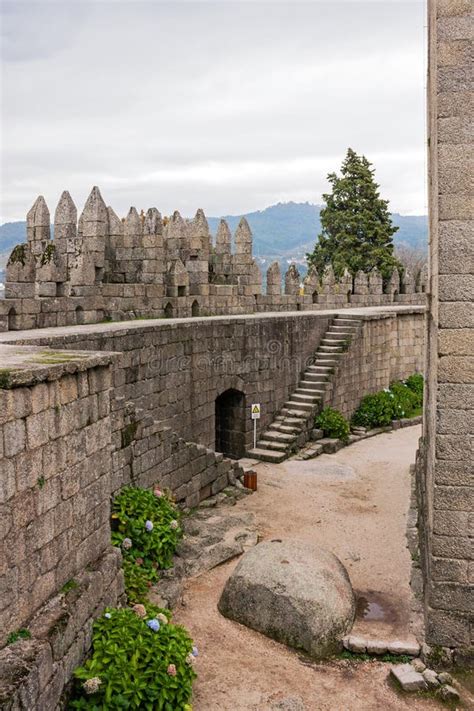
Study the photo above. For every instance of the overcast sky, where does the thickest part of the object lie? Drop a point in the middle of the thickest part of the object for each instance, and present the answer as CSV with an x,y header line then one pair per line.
x,y
228,106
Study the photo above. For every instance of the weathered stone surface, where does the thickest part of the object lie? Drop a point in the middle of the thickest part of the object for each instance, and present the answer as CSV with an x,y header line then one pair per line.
x,y
448,693
212,537
418,665
431,678
294,592
404,647
408,678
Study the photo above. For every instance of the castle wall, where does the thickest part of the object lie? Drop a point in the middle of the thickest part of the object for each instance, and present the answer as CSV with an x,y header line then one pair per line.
x,y
445,467
390,346
55,447
100,268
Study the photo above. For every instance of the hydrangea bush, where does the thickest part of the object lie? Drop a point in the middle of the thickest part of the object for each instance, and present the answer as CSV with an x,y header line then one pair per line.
x,y
333,424
140,660
401,399
146,526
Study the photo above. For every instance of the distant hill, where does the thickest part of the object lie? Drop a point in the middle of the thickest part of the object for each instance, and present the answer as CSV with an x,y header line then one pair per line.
x,y
285,231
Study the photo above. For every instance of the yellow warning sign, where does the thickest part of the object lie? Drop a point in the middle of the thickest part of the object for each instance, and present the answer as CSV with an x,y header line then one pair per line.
x,y
255,411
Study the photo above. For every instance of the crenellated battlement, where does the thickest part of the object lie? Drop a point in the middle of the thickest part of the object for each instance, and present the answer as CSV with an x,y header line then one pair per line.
x,y
100,267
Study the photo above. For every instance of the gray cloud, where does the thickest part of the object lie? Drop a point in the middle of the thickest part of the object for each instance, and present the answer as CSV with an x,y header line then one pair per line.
x,y
229,106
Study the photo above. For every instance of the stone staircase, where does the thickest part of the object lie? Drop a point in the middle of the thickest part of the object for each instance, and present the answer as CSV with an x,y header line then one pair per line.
x,y
291,427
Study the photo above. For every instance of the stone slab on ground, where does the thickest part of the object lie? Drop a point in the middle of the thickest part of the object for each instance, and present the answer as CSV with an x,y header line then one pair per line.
x,y
294,592
215,535
408,678
212,535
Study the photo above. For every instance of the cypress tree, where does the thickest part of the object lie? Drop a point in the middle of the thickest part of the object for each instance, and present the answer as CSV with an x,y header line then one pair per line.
x,y
357,230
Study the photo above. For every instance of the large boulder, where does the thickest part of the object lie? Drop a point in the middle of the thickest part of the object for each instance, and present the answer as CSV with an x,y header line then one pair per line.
x,y
295,593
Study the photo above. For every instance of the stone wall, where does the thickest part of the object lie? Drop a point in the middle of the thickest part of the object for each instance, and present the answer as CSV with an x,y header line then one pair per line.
x,y
173,371
388,347
99,267
55,447
87,410
446,471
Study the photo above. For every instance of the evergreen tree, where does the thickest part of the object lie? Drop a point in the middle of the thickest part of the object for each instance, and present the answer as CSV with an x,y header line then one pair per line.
x,y
357,230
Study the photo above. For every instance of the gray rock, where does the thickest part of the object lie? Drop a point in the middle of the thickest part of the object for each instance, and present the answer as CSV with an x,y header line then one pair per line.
x,y
448,693
408,678
294,592
431,678
418,665
412,649
375,646
445,678
355,644
214,536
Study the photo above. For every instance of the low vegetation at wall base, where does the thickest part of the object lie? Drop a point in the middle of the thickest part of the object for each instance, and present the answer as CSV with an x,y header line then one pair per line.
x,y
140,660
401,400
146,527
333,424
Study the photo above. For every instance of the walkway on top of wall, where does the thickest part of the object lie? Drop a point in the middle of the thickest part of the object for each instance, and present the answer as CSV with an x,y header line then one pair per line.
x,y
44,334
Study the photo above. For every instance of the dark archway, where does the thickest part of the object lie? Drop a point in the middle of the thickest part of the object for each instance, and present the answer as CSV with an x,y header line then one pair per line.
x,y
315,297
79,315
349,296
168,310
195,309
230,423
12,320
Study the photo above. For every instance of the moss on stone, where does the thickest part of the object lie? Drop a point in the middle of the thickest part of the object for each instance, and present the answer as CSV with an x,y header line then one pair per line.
x,y
55,357
5,379
18,255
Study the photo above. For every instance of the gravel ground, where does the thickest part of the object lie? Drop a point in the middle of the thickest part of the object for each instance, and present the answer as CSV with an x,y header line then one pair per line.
x,y
354,503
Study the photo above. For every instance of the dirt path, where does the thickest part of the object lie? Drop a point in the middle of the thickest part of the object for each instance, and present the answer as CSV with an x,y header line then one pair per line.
x,y
355,503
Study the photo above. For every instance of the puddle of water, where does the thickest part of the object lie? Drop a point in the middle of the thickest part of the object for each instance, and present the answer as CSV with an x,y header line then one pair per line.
x,y
371,606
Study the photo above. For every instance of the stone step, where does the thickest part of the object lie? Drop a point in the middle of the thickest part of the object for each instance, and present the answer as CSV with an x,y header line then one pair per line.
x,y
296,421
342,331
299,407
267,455
329,350
276,436
318,369
270,444
285,429
294,412
333,342
317,386
314,377
304,396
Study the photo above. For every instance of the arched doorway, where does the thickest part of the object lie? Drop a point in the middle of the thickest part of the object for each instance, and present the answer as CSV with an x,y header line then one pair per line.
x,y
79,315
315,297
168,310
12,320
195,309
230,423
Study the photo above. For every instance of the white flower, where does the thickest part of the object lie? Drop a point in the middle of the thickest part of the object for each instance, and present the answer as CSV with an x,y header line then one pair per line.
x,y
91,686
174,524
162,618
127,543
107,615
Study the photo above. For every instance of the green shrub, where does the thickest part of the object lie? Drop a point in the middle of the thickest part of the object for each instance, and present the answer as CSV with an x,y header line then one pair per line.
x,y
404,401
146,527
416,384
374,410
134,667
333,424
